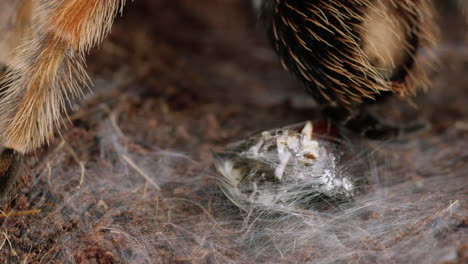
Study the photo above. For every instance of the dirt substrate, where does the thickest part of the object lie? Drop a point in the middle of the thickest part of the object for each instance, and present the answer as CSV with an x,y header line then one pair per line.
x,y
131,178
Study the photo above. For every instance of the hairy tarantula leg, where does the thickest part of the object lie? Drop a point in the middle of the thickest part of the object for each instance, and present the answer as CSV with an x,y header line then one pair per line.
x,y
48,67
10,164
350,54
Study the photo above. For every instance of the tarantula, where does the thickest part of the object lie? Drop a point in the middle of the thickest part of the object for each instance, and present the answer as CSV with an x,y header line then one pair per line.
x,y
346,52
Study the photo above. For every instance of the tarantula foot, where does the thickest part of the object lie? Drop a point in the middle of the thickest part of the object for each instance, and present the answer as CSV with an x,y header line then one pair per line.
x,y
10,164
365,124
391,132
370,127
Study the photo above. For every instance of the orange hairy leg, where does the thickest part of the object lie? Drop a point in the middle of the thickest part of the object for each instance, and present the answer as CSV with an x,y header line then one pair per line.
x,y
45,59
49,65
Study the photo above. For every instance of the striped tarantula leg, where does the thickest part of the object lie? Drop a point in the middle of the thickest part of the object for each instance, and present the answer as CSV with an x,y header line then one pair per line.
x,y
48,67
10,164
